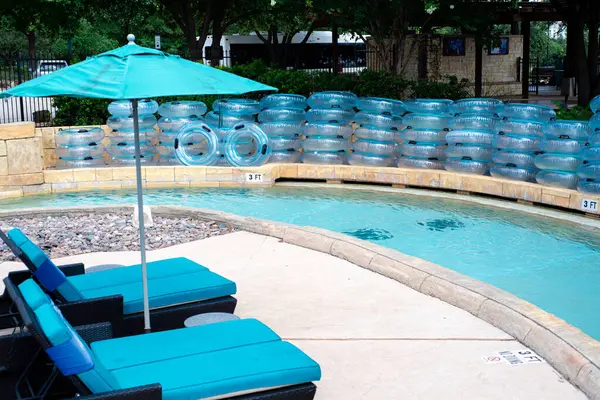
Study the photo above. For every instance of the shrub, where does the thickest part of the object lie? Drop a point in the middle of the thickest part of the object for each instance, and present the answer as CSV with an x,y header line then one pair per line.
x,y
577,113
76,112
450,88
298,82
72,111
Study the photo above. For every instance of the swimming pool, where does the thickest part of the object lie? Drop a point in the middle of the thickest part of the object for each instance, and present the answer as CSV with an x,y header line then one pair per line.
x,y
553,264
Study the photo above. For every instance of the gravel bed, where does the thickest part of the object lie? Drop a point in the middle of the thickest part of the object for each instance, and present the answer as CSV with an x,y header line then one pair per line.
x,y
79,233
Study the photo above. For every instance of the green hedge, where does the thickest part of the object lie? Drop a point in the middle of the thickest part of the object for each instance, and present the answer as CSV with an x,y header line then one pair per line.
x,y
577,113
71,111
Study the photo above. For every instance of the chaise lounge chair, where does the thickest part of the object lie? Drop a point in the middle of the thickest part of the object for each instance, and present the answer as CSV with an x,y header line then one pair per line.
x,y
178,287
241,359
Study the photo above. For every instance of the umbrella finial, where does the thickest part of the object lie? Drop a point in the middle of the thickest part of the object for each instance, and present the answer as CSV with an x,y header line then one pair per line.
x,y
131,39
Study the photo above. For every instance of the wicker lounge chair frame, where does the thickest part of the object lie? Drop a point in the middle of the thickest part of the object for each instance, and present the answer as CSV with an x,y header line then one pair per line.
x,y
165,318
29,385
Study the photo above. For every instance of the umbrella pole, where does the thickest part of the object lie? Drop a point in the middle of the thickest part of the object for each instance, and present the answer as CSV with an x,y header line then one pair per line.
x,y
140,201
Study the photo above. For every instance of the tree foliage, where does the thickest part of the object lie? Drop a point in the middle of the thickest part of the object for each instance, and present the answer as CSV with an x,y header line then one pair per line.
x,y
277,24
51,16
581,61
550,51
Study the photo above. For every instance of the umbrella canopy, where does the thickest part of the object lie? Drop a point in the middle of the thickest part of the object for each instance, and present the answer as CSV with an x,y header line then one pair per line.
x,y
131,73
135,72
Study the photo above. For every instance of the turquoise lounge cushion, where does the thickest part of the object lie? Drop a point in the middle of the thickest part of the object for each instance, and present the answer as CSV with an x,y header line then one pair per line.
x,y
53,324
143,349
133,273
258,366
47,273
167,291
58,331
34,295
31,250
17,236
69,292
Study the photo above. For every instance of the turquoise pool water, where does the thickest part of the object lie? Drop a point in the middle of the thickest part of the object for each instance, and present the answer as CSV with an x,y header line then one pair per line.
x,y
553,264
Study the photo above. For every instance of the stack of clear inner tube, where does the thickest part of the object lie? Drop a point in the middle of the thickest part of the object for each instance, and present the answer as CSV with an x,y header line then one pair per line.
x,y
423,140
517,140
174,116
589,171
226,114
281,118
379,121
328,128
470,148
122,139
560,153
80,148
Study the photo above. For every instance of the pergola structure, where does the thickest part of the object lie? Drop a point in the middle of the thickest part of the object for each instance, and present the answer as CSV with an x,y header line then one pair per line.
x,y
513,13
518,14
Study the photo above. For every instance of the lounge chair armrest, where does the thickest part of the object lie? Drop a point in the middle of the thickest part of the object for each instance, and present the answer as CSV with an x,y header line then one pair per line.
x,y
147,392
18,277
92,311
72,269
95,332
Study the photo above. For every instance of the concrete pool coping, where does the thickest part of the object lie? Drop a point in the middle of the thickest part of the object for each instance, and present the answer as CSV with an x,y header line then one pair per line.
x,y
573,353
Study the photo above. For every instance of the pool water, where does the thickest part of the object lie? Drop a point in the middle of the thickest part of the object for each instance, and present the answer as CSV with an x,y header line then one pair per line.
x,y
553,264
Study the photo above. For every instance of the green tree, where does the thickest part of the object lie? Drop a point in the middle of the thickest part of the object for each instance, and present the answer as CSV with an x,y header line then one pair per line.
x,y
86,40
548,50
193,17
581,62
276,25
32,16
11,41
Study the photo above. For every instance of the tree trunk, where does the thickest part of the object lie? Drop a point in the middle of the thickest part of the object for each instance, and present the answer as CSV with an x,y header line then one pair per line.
x,y
526,64
31,49
593,57
183,15
303,42
192,44
275,49
217,33
582,75
422,65
478,66
334,47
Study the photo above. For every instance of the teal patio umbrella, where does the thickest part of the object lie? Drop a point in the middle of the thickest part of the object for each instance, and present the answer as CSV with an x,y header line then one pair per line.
x,y
132,73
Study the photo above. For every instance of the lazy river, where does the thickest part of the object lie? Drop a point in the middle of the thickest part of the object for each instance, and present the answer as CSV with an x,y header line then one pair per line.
x,y
552,263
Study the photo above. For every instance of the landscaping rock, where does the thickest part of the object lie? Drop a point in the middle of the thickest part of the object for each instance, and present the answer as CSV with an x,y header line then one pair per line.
x,y
68,235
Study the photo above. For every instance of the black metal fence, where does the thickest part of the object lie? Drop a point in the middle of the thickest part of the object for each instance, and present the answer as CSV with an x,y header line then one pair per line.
x,y
20,68
534,76
351,59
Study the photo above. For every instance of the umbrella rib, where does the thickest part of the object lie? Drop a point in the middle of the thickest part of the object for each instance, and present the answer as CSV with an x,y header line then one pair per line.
x,y
124,80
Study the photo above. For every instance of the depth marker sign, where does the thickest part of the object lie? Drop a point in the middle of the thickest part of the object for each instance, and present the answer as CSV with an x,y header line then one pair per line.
x,y
520,357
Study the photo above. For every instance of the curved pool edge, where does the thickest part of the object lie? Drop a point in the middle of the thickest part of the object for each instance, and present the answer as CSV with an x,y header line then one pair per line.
x,y
111,178
570,351
500,203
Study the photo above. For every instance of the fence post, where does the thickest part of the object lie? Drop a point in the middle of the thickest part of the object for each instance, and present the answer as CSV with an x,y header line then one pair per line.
x,y
537,76
20,80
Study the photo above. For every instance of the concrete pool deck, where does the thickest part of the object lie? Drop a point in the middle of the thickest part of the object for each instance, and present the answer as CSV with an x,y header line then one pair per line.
x,y
374,337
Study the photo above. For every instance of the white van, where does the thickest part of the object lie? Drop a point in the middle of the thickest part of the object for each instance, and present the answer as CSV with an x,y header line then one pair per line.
x,y
45,67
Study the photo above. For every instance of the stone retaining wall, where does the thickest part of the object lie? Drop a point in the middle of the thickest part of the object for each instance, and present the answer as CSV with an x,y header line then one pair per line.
x,y
571,352
21,157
